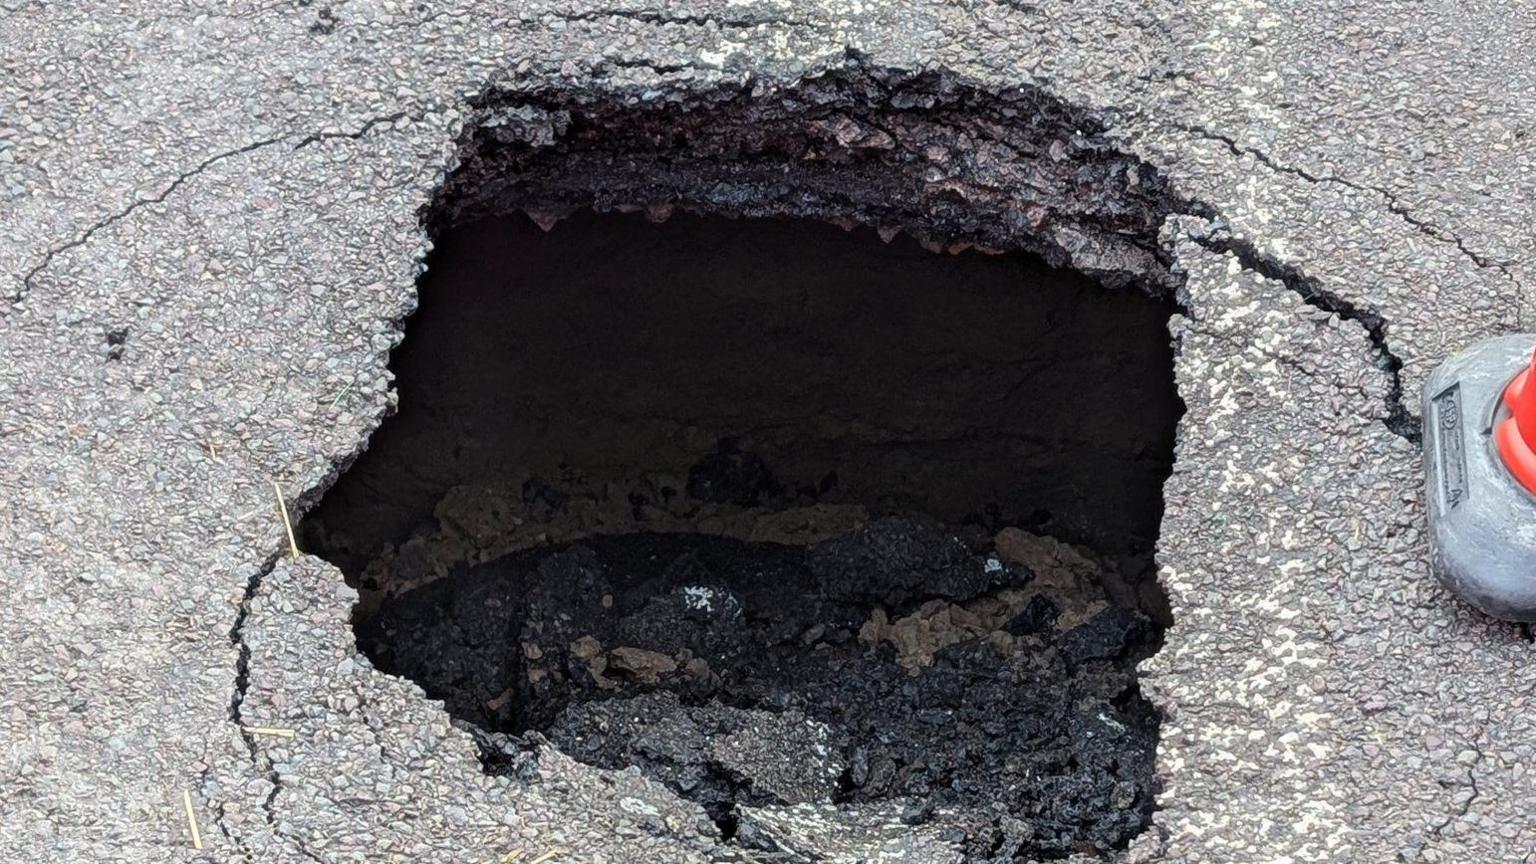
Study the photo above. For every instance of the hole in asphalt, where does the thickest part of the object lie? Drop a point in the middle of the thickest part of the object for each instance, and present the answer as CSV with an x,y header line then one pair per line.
x,y
782,514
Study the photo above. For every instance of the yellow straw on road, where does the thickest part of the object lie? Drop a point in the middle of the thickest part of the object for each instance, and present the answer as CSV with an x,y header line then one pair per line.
x,y
271,731
197,836
293,544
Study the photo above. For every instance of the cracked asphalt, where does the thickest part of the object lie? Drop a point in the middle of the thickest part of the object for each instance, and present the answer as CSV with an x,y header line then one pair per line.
x,y
237,187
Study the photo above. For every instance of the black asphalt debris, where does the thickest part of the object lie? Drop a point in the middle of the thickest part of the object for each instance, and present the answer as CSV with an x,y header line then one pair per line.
x,y
872,666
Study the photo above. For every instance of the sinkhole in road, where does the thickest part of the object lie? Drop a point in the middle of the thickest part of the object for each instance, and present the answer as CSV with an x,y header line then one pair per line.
x,y
782,514
798,445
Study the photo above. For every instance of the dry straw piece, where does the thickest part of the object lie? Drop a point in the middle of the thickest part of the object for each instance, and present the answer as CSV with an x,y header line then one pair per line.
x,y
270,731
197,836
293,544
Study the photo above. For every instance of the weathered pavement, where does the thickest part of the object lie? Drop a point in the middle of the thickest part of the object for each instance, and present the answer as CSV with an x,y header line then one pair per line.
x,y
236,191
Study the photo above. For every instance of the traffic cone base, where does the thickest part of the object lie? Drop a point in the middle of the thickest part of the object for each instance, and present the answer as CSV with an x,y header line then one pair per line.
x,y
1480,467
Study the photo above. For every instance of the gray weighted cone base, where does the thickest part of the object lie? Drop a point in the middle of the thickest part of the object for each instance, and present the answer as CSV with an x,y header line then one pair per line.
x,y
1482,523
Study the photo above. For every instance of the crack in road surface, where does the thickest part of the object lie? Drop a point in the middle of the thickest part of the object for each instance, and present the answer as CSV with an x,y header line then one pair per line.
x,y
243,681
1394,203
1402,422
28,280
1459,812
259,760
653,16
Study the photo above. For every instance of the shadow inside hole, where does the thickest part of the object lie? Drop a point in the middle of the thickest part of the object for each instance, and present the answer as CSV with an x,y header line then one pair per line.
x,y
782,514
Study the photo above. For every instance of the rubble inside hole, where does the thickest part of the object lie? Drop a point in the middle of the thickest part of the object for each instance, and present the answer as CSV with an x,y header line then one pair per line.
x,y
984,684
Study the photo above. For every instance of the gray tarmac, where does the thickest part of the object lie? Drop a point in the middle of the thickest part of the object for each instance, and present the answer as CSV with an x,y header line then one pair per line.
x,y
237,187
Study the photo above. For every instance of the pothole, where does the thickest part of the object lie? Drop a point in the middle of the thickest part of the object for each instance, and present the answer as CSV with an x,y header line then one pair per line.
x,y
842,534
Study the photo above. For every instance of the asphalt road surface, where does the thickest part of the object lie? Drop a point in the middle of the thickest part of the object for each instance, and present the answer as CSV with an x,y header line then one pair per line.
x,y
234,189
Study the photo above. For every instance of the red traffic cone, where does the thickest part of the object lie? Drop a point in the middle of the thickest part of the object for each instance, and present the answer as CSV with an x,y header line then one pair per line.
x,y
1516,434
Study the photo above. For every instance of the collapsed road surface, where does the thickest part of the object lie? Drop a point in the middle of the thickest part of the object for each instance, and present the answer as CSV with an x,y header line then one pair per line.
x,y
215,228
